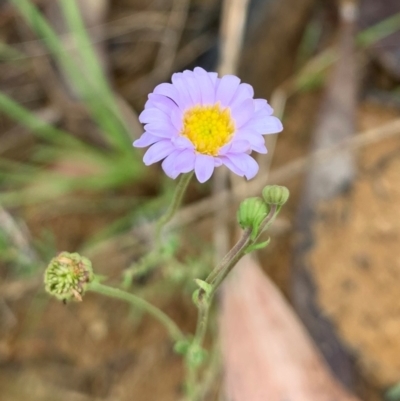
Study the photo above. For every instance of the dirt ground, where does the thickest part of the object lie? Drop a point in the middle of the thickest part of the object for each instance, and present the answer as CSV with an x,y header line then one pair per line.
x,y
356,260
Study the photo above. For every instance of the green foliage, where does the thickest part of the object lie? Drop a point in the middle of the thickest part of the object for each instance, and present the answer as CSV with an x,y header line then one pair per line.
x,y
60,163
114,167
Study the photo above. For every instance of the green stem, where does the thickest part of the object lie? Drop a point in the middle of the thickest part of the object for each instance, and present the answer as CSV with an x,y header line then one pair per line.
x,y
174,206
202,321
141,304
242,245
201,329
240,250
215,278
205,301
229,256
142,267
268,220
148,261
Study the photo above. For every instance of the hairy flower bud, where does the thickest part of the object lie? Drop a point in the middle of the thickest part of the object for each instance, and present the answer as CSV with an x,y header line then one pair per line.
x,y
275,195
251,213
67,275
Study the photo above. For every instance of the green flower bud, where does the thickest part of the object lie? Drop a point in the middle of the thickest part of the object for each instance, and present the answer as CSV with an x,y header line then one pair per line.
x,y
251,213
275,195
67,275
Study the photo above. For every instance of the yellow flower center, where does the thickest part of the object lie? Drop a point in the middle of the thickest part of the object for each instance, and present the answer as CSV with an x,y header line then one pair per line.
x,y
208,128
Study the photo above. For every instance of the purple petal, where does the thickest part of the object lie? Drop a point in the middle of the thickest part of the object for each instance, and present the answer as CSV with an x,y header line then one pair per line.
x,y
199,71
161,102
177,119
226,89
239,146
184,161
185,100
149,104
235,146
251,136
217,162
265,125
206,85
152,115
243,92
262,106
243,112
182,142
212,75
145,140
256,140
225,149
157,152
231,165
162,129
168,164
204,167
167,90
193,87
251,168
260,149
189,73
242,163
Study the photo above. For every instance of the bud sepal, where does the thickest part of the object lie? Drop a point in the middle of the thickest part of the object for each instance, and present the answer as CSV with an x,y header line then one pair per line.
x,y
251,213
260,245
275,195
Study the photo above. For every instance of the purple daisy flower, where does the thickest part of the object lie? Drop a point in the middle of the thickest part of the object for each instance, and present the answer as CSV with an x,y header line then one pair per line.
x,y
200,121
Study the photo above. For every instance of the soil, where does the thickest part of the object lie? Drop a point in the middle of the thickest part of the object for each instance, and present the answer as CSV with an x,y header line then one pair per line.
x,y
356,260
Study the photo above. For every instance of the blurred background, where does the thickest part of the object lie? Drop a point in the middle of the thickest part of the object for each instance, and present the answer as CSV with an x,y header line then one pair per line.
x,y
75,74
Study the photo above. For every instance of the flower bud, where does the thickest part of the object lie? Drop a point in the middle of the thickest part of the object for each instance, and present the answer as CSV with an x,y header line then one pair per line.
x,y
251,213
275,195
67,275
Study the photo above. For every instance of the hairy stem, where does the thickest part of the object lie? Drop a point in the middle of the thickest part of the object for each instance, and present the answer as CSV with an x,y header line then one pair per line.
x,y
229,256
240,249
141,304
215,278
147,262
174,206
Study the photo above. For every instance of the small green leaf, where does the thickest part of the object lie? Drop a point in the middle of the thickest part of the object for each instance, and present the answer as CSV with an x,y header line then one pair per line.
x,y
260,245
195,297
206,287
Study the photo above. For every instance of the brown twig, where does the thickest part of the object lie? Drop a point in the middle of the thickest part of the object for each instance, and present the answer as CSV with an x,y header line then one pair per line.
x,y
168,50
172,36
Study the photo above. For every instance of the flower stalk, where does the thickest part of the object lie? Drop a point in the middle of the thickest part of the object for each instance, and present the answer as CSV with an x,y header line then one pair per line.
x,y
206,292
180,191
173,330
147,262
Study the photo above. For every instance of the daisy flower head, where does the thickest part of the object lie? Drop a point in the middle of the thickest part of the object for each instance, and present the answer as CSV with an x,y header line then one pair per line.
x,y
200,122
